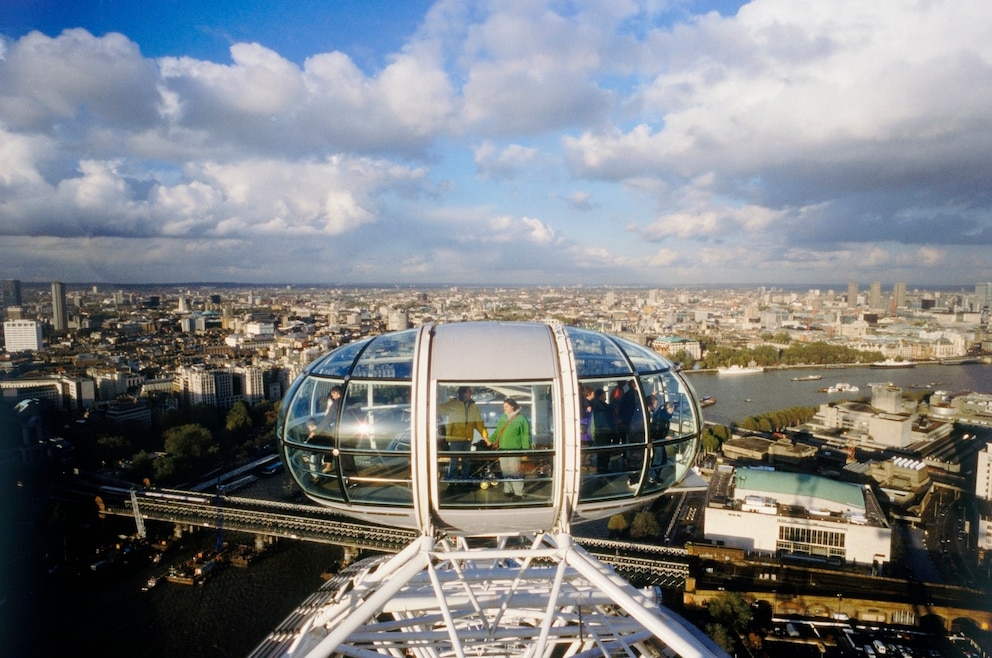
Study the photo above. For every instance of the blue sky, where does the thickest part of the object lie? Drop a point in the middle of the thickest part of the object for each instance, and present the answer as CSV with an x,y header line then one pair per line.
x,y
658,142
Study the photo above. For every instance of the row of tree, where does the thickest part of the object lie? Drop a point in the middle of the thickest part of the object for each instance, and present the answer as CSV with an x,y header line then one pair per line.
x,y
817,353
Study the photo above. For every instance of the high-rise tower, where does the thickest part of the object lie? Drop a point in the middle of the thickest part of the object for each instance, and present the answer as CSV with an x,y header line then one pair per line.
x,y
899,295
983,295
10,293
60,320
875,295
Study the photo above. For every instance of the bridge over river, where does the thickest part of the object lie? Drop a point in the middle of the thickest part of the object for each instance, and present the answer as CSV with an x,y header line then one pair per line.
x,y
790,589
647,564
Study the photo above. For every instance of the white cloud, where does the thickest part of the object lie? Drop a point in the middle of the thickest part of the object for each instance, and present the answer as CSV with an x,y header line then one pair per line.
x,y
503,164
838,137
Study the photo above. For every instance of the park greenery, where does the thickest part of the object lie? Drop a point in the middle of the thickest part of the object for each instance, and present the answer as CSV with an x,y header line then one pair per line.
x,y
772,355
713,436
181,444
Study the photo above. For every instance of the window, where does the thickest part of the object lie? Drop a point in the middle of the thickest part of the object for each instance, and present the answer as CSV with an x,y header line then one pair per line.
x,y
477,464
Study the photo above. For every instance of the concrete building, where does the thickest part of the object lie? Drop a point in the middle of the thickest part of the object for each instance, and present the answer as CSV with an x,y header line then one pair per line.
x,y
875,295
672,345
774,512
900,479
884,423
60,314
983,474
983,500
10,293
134,414
22,335
63,392
195,384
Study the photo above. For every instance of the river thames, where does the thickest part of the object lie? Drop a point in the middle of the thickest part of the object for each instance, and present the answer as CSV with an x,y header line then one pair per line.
x,y
740,396
235,610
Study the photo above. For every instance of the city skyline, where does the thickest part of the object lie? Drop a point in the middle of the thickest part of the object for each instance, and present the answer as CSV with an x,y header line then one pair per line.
x,y
655,144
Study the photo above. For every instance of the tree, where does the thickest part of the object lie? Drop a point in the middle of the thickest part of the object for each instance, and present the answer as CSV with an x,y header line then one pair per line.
x,y
710,442
238,418
192,440
190,448
731,610
731,617
617,525
719,634
645,524
112,449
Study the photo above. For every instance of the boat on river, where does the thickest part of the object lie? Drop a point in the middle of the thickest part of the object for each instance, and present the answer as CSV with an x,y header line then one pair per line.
x,y
739,370
807,378
707,401
892,363
839,387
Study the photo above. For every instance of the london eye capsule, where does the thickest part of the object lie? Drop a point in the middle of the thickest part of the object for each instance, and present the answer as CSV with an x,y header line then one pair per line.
x,y
489,428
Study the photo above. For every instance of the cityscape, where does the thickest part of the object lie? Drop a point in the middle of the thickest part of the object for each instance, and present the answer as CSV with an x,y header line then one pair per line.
x,y
447,328
93,376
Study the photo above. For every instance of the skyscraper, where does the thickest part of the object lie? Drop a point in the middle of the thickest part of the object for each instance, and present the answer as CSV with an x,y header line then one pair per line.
x,y
852,294
983,294
875,295
899,295
60,320
10,293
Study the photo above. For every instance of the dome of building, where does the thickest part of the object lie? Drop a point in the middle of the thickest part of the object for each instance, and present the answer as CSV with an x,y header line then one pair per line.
x,y
489,428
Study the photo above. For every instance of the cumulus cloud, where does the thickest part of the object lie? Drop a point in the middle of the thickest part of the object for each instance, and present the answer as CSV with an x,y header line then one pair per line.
x,y
504,164
783,140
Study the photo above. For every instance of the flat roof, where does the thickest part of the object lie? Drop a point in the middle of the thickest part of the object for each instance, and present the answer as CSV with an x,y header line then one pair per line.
x,y
800,484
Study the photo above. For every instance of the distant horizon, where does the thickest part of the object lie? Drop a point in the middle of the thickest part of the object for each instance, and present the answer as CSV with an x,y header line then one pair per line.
x,y
604,286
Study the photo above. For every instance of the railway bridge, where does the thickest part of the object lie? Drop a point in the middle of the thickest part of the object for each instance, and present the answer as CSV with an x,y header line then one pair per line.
x,y
650,565
787,589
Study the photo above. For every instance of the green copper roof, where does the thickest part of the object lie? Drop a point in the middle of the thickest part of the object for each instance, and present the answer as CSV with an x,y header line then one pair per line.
x,y
800,484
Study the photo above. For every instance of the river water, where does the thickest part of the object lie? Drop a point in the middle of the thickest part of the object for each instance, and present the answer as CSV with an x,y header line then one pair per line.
x,y
234,611
740,396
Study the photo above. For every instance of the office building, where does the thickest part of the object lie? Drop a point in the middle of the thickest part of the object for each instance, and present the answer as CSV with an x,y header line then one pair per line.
x,y
775,512
983,474
60,318
899,295
875,295
22,335
10,293
983,296
983,504
852,294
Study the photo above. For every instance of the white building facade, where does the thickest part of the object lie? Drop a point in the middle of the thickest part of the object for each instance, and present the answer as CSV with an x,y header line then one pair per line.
x,y
772,512
22,335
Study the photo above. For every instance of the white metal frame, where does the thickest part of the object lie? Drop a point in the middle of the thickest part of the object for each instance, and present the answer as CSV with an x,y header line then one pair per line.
x,y
545,596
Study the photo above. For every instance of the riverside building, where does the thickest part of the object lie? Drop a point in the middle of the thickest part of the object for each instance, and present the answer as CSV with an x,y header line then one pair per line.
x,y
800,515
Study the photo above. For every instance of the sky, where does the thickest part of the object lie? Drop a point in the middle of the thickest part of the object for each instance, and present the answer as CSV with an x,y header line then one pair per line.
x,y
609,142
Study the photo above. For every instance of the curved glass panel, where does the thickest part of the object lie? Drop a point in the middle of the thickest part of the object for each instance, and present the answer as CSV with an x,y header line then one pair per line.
x,y
644,358
614,445
596,355
339,362
489,454
347,426
389,356
372,437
